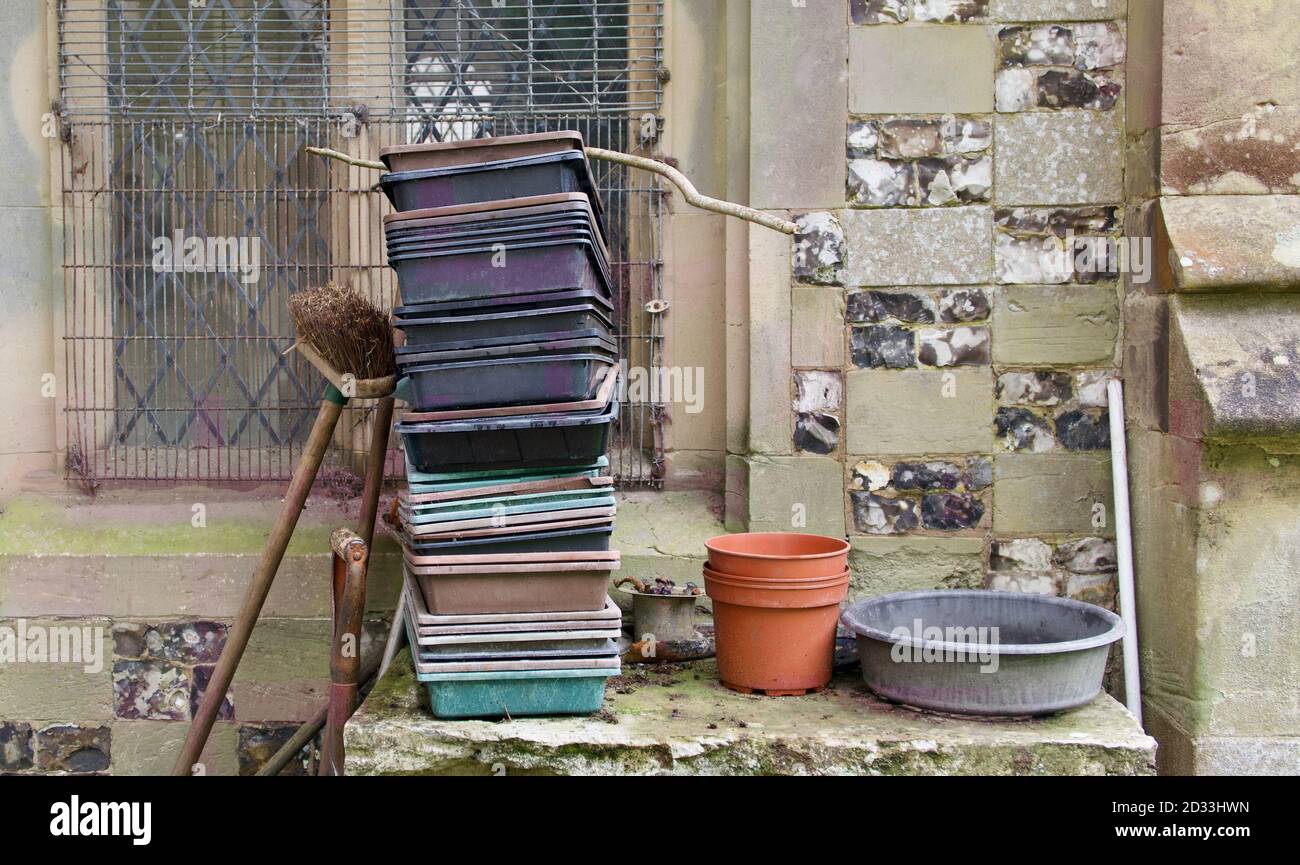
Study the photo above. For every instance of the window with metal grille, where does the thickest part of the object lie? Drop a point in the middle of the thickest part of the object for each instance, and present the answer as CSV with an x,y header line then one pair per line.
x,y
191,212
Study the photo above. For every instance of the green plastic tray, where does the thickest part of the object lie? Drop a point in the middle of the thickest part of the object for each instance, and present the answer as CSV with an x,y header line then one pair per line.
x,y
530,503
532,692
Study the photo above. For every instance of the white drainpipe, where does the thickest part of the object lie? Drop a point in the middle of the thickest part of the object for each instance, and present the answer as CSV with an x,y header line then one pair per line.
x,y
1124,548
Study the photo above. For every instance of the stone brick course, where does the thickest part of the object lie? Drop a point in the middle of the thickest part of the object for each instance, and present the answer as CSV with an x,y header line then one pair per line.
x,y
967,397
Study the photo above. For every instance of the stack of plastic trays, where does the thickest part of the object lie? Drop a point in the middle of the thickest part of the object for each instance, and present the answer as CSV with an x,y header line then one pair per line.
x,y
510,376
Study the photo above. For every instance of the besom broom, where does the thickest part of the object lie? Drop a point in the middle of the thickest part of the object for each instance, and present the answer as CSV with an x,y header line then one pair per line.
x,y
350,341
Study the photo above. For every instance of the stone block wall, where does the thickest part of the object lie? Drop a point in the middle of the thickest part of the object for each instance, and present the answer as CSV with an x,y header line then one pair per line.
x,y
115,609
129,714
947,365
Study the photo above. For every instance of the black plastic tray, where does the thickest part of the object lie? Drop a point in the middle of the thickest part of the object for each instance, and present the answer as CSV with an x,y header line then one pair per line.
x,y
508,326
421,355
503,208
494,222
567,171
508,344
587,539
407,251
534,380
428,235
426,247
394,236
509,442
486,221
515,303
532,268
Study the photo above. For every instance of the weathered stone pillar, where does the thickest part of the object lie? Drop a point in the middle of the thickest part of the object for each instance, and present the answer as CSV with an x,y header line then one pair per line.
x,y
798,55
1212,366
31,386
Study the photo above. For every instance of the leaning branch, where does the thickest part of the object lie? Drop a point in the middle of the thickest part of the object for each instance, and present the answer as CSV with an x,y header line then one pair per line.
x,y
692,196
343,157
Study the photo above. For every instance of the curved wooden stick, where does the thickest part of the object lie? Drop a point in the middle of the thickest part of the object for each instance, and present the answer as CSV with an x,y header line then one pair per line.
x,y
343,157
692,196
683,184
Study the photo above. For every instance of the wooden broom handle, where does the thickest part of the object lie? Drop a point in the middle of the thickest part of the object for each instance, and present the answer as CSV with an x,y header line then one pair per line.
x,y
681,181
255,595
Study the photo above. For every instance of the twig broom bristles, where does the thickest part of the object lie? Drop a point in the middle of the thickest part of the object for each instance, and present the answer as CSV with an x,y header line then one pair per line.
x,y
348,331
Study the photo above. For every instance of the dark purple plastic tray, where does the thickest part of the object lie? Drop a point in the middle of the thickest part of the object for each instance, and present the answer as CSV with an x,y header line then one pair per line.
x,y
498,226
494,305
520,441
424,247
419,355
564,203
513,326
530,269
396,236
449,228
486,221
491,181
517,343
534,380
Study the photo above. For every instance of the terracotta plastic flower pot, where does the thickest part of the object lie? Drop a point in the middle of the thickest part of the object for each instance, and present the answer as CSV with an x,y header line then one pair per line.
x,y
770,581
777,639
784,555
759,592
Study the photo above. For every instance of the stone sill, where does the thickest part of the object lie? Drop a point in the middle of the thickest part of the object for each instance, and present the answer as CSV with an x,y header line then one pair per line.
x,y
1235,367
685,723
1225,243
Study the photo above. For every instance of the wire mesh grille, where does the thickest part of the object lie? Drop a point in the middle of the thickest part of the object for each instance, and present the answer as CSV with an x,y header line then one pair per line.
x,y
191,212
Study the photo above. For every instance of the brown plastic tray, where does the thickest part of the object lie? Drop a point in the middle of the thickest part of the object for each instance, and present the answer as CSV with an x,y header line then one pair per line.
x,y
514,591
607,616
565,208
440,570
448,214
493,559
604,389
411,157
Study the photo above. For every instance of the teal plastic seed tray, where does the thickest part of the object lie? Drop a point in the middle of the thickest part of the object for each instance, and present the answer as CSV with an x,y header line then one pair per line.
x,y
516,694
508,506
415,488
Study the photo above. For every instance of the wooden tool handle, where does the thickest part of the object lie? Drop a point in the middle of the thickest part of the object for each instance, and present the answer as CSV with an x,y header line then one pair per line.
x,y
237,640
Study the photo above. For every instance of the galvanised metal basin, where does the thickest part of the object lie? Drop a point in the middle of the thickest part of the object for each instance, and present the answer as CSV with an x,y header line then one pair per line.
x,y
981,652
